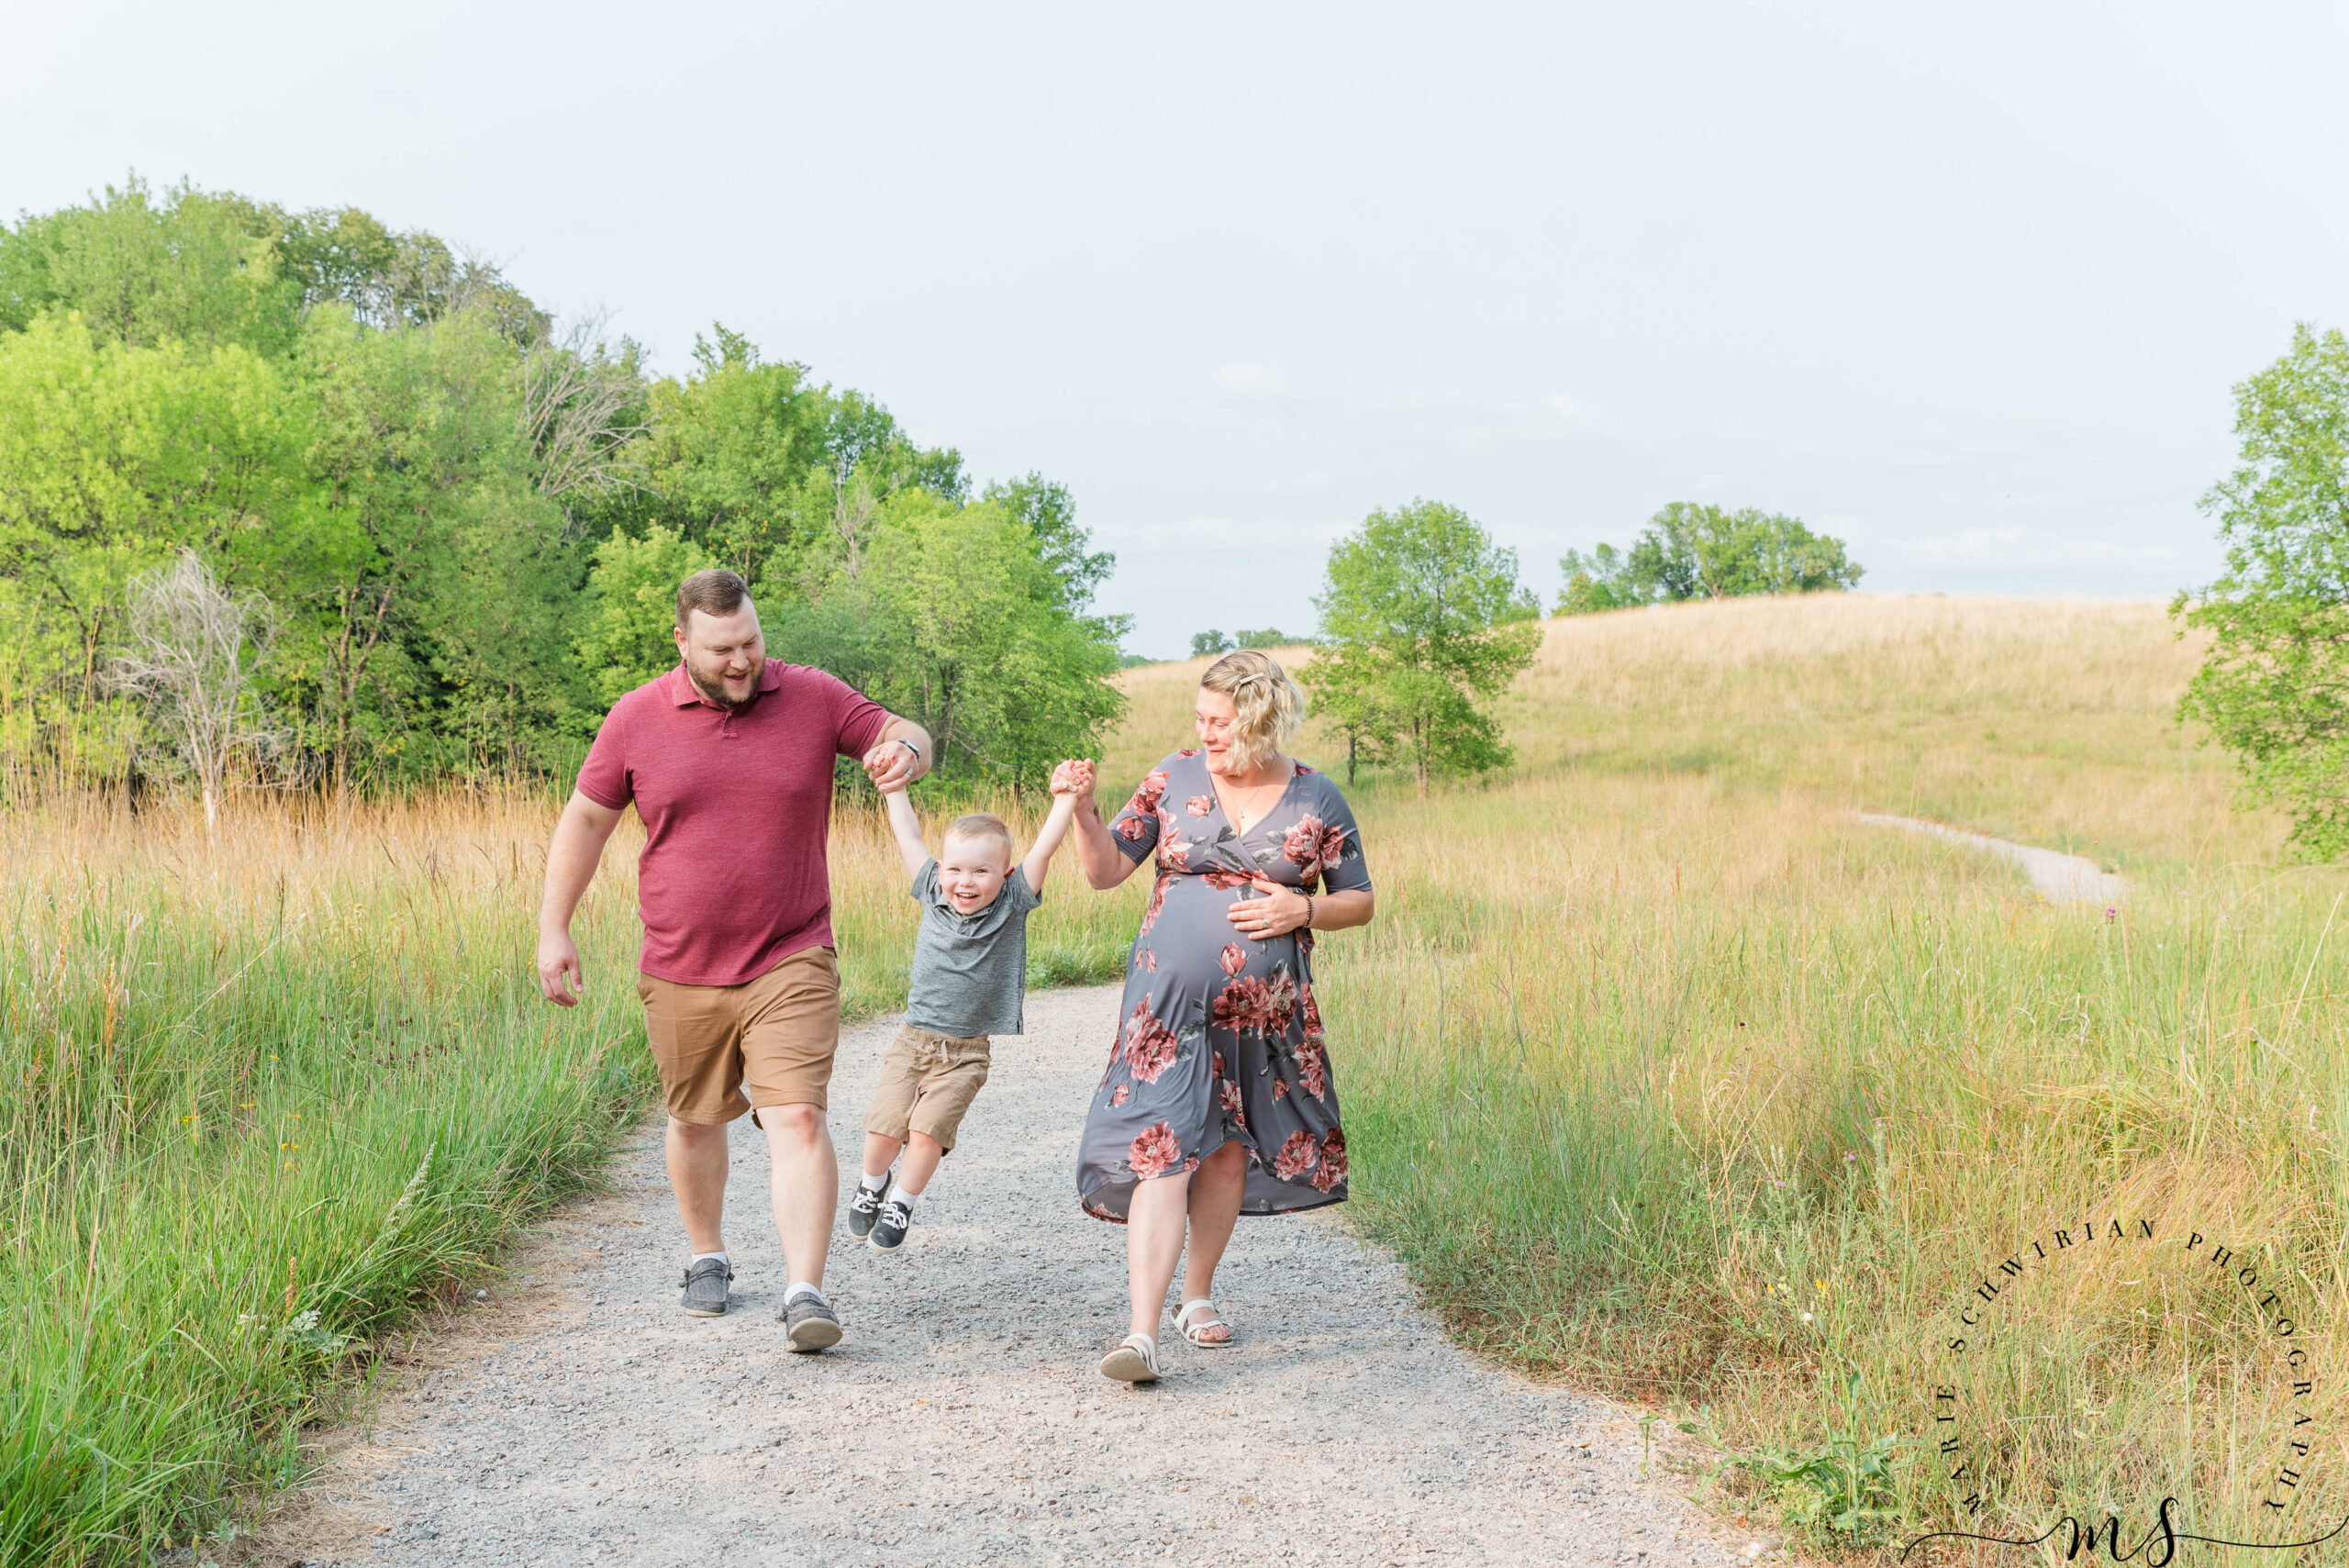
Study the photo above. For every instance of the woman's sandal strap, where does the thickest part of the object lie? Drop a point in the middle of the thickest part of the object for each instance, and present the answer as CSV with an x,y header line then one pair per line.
x,y
1182,1316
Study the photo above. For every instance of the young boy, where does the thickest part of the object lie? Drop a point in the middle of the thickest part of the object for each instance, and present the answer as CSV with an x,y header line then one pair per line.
x,y
970,971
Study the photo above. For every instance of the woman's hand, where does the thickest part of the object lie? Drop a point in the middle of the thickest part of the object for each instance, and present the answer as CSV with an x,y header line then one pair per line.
x,y
1073,777
1281,911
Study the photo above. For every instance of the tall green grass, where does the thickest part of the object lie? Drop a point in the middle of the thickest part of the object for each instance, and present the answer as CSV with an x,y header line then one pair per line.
x,y
270,1093
1664,1076
263,1095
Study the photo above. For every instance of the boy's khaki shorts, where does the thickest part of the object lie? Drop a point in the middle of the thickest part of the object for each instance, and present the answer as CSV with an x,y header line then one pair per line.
x,y
774,1034
927,1080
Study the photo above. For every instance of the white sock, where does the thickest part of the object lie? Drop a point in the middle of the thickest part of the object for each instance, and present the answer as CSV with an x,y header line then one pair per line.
x,y
905,1194
798,1289
872,1182
719,1256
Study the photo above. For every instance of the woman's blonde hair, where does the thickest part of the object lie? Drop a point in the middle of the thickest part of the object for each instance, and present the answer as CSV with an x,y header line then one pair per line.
x,y
1267,706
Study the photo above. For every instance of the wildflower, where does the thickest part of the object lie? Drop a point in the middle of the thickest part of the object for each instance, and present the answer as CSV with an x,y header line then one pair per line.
x,y
2111,913
1820,1282
1806,1317
1850,1158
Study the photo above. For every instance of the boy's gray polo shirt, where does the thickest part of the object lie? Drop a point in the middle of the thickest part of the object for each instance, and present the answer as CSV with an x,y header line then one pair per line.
x,y
970,971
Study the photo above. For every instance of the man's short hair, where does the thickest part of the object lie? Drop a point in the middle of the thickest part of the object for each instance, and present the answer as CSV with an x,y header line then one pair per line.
x,y
715,592
981,825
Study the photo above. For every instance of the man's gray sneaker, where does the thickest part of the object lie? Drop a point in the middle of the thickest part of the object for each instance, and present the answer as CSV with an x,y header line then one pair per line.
x,y
889,1230
864,1206
814,1325
706,1288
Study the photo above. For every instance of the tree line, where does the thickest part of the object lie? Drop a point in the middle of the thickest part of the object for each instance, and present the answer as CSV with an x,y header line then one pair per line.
x,y
439,530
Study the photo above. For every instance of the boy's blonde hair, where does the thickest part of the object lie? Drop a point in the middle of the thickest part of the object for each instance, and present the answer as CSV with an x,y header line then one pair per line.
x,y
983,825
1267,706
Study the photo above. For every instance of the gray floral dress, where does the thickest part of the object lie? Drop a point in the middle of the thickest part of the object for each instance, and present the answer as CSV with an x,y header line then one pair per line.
x,y
1219,1036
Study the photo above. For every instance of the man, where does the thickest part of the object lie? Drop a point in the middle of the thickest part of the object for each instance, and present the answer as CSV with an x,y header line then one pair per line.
x,y
728,760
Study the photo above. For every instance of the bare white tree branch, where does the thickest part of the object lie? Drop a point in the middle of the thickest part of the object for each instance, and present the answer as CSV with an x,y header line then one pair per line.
x,y
194,647
574,395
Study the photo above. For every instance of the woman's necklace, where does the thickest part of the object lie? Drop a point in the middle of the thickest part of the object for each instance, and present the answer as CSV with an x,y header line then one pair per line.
x,y
1247,814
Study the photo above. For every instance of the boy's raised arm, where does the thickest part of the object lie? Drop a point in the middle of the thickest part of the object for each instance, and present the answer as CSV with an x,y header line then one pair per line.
x,y
1069,780
907,828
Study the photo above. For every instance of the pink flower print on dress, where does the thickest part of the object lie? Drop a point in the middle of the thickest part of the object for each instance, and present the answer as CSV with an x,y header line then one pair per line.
x,y
1299,1154
1120,1095
1155,1150
1150,1045
1152,790
1302,847
1313,1068
1227,1093
1333,1161
1234,959
1280,1003
1280,1088
1174,854
1333,847
1130,829
1157,903
1199,804
1240,1006
1149,960
1225,881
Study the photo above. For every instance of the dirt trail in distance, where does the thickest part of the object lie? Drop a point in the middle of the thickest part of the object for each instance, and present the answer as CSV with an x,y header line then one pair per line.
x,y
576,1416
2055,876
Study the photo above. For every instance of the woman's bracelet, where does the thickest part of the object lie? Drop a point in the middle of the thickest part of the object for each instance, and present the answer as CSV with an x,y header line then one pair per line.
x,y
1308,911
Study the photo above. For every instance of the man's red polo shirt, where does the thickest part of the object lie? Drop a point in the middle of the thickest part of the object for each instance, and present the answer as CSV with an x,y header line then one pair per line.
x,y
736,807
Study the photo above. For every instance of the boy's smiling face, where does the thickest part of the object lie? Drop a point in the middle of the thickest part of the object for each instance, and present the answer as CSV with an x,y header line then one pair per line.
x,y
972,871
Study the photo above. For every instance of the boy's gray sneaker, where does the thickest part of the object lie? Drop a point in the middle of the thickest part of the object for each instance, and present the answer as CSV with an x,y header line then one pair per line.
x,y
864,1206
813,1323
705,1285
890,1226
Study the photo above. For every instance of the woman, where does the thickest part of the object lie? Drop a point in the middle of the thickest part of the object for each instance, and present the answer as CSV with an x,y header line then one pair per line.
x,y
1219,1096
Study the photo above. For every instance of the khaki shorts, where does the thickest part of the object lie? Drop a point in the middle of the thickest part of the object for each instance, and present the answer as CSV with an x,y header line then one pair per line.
x,y
928,1082
774,1036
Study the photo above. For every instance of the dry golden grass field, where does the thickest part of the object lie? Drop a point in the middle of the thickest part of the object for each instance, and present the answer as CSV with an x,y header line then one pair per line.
x,y
1663,1074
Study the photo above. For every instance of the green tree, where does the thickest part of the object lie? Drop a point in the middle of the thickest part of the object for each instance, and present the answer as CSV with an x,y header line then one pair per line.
x,y
956,616
2274,686
1693,551
1422,619
1204,643
625,639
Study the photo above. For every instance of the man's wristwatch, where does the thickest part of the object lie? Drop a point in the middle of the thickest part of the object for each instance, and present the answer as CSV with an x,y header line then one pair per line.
x,y
910,747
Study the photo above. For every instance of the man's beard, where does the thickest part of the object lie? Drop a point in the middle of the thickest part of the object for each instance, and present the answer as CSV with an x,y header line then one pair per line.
x,y
716,694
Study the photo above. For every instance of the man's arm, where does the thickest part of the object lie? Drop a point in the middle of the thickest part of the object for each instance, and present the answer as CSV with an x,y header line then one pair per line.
x,y
572,855
907,828
1048,840
892,765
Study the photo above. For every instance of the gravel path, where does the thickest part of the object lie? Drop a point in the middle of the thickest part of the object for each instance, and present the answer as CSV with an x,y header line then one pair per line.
x,y
576,1416
2055,876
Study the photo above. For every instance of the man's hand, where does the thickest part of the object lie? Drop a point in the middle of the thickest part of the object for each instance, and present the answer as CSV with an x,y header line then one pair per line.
x,y
892,765
1073,777
559,968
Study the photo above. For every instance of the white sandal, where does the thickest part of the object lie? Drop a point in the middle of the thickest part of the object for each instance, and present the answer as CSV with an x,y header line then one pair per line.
x,y
1184,1327
1134,1360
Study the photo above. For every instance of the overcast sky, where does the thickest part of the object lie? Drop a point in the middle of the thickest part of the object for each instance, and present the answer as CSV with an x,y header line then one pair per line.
x,y
1968,288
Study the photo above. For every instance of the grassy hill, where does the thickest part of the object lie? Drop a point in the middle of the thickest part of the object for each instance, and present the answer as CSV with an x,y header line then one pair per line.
x,y
1666,1076
1662,1074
